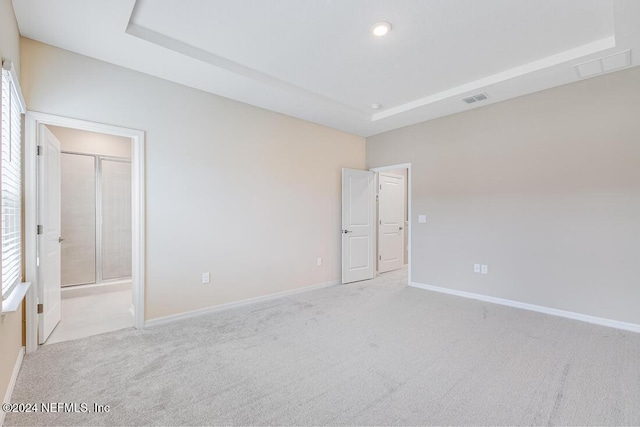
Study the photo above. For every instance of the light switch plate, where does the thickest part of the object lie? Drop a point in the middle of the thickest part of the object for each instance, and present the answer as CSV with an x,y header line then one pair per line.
x,y
484,269
422,219
206,278
476,268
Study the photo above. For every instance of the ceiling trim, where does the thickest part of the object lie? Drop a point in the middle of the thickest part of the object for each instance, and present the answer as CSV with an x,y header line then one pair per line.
x,y
196,53
512,73
210,58
281,71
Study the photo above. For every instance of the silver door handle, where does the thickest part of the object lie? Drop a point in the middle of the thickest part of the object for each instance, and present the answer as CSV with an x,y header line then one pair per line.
x,y
347,231
60,240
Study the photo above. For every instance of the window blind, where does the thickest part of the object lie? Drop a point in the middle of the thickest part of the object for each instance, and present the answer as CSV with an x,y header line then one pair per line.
x,y
11,185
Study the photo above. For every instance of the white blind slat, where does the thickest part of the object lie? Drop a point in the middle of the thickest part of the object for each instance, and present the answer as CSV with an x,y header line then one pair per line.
x,y
10,186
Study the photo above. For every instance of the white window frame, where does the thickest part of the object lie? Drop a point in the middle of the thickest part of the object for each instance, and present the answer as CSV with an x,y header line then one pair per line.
x,y
11,296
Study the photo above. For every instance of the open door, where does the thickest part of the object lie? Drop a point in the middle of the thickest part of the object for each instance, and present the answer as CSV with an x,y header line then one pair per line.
x,y
49,239
358,223
391,224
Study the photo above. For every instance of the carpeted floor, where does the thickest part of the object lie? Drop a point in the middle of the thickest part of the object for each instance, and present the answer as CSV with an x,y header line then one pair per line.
x,y
369,353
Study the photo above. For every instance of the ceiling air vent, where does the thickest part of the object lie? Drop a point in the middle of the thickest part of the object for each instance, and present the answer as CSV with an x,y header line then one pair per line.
x,y
475,98
604,65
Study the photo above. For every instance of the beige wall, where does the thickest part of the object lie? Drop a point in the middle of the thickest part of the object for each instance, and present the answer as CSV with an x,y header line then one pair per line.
x,y
9,34
82,141
11,324
249,195
545,189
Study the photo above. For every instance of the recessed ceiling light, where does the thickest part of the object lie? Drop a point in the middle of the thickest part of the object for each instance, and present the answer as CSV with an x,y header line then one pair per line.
x,y
376,106
380,28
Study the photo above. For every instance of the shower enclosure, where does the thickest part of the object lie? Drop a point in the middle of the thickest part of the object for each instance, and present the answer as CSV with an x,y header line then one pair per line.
x,y
96,218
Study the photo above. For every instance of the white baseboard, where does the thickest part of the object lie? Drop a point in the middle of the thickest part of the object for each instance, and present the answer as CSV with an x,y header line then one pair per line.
x,y
633,327
195,313
12,382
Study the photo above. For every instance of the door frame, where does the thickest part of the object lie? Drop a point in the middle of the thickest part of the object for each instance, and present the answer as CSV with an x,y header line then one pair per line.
x,y
32,122
406,166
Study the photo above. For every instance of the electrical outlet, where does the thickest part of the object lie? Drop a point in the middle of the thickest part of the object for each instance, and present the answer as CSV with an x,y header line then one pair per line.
x,y
422,219
476,268
319,262
206,278
484,269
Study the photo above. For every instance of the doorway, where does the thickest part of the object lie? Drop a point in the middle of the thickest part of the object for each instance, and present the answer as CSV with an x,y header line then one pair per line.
x,y
95,233
361,224
392,219
403,169
98,267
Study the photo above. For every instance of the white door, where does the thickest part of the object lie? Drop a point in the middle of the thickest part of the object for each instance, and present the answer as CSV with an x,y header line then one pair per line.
x,y
49,278
357,225
391,222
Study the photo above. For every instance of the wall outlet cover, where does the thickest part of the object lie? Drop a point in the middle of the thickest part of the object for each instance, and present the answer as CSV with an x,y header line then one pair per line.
x,y
422,219
476,268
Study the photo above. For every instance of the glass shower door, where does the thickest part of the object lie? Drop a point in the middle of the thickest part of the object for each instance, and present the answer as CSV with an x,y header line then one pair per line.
x,y
78,219
116,219
96,218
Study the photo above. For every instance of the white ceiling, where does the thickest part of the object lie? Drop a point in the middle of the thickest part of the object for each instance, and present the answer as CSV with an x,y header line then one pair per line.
x,y
317,59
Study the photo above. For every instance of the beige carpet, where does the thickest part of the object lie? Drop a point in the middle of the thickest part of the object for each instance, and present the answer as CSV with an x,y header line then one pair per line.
x,y
371,353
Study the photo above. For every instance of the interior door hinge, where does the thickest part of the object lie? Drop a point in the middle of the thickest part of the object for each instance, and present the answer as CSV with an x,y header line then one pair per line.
x,y
39,150
380,257
39,229
40,308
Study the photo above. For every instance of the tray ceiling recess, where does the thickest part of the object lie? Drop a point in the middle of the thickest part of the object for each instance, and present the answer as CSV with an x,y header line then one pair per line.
x,y
362,66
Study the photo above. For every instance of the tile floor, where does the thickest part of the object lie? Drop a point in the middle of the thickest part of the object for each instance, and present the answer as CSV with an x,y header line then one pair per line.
x,y
91,315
